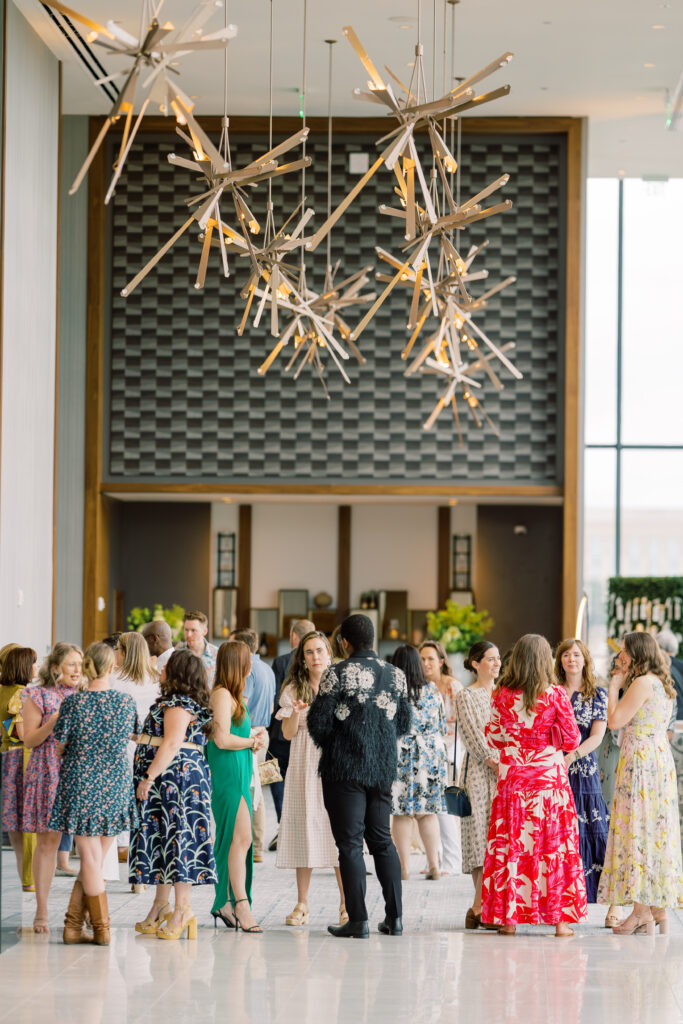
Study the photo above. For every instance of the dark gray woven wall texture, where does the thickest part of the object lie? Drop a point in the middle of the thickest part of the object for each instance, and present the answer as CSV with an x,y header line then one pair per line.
x,y
184,399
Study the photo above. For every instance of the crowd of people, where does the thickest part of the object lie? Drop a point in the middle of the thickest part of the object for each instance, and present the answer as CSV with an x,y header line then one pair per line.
x,y
152,753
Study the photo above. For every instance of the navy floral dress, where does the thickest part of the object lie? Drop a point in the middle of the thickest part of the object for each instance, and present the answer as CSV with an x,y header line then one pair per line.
x,y
584,779
95,790
421,780
173,840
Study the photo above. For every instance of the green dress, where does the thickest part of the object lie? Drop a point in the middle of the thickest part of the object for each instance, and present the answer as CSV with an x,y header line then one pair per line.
x,y
231,773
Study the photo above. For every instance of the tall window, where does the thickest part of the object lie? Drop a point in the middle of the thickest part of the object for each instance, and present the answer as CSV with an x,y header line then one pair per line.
x,y
633,512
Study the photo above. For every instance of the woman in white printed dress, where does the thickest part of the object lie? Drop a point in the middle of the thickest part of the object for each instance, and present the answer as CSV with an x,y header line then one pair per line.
x,y
305,839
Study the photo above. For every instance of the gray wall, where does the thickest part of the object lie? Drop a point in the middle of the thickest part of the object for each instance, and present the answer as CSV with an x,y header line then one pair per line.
x,y
71,415
161,553
29,336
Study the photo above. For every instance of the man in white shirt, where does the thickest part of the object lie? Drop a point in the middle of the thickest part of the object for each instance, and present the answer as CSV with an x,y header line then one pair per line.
x,y
159,641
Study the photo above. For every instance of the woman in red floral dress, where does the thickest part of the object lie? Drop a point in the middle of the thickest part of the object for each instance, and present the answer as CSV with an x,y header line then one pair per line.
x,y
532,872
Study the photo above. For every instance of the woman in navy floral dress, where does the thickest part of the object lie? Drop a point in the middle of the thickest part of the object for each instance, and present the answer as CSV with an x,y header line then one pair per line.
x,y
172,845
574,669
94,798
418,791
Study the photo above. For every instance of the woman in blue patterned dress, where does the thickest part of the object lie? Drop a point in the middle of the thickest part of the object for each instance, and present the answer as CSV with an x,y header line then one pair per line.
x,y
418,791
94,799
172,845
574,669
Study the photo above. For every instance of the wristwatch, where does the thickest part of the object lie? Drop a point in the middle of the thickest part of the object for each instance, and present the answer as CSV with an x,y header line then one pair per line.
x,y
147,777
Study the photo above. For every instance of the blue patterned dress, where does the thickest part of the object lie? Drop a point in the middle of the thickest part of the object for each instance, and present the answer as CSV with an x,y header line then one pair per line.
x,y
173,840
421,780
584,779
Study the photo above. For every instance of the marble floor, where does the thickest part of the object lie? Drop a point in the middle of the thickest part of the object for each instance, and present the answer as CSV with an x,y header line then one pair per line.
x,y
436,972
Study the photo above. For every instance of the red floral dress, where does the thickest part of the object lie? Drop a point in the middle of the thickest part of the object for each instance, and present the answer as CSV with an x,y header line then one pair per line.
x,y
532,872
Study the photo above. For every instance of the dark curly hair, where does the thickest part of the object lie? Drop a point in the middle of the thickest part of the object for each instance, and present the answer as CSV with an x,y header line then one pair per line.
x,y
186,676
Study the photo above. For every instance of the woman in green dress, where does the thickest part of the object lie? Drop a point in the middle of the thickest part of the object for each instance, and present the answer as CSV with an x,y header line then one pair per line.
x,y
231,757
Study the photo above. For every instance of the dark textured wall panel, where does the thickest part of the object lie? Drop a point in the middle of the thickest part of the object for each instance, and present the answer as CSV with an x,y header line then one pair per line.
x,y
186,404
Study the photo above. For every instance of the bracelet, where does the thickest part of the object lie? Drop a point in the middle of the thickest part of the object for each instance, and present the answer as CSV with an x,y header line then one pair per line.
x,y
577,756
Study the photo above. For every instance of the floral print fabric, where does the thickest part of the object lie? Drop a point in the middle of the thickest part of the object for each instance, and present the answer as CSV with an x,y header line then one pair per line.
x,y
474,711
172,842
95,791
643,855
584,779
532,871
42,771
421,780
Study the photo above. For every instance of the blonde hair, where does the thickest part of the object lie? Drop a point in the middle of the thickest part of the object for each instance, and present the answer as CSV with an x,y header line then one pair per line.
x,y
530,669
589,684
137,664
647,659
51,669
99,659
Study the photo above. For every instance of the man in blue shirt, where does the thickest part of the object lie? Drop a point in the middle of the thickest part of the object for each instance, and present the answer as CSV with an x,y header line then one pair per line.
x,y
259,696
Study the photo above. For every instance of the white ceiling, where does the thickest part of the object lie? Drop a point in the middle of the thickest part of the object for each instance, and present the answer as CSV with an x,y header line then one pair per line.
x,y
584,59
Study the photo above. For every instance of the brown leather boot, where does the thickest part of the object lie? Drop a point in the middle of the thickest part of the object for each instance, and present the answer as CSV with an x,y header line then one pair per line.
x,y
75,917
99,915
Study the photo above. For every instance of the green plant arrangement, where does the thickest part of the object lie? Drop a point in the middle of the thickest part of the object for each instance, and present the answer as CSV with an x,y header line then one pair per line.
x,y
644,602
174,616
458,626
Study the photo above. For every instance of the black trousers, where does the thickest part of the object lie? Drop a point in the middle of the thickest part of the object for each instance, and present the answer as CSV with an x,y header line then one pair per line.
x,y
280,749
357,812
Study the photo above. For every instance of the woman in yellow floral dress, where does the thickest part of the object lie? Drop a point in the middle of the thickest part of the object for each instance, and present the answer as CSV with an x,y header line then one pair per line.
x,y
643,855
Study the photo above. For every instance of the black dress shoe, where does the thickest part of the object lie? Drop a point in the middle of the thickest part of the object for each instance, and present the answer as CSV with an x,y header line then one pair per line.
x,y
391,926
350,930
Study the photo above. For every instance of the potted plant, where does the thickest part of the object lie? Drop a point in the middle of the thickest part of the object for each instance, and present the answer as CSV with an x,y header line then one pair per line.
x,y
457,627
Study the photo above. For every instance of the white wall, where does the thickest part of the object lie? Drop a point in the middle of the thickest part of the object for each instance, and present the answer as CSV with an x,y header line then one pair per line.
x,y
28,344
394,547
293,546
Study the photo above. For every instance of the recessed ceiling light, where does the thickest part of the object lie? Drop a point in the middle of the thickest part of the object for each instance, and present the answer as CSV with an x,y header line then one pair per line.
x,y
648,65
403,20
657,26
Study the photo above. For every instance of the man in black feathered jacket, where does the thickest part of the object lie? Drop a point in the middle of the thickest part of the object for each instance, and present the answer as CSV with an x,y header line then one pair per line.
x,y
361,709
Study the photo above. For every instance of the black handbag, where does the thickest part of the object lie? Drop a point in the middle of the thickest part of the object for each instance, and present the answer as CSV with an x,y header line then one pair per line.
x,y
457,800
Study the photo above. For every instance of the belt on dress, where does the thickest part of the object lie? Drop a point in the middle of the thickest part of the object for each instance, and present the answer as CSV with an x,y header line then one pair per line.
x,y
156,741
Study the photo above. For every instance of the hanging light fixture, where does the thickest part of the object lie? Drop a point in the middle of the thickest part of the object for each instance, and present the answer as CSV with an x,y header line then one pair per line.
x,y
154,53
223,180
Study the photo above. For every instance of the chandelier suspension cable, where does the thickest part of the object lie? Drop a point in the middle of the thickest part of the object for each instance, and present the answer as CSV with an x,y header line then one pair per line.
x,y
225,133
303,146
330,43
270,223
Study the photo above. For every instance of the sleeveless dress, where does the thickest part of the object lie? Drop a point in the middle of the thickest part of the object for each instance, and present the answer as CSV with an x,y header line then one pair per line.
x,y
42,771
584,779
305,838
476,777
95,791
172,842
532,871
643,855
231,773
421,773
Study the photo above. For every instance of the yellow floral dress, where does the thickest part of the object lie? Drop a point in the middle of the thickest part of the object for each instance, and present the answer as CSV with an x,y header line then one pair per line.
x,y
643,855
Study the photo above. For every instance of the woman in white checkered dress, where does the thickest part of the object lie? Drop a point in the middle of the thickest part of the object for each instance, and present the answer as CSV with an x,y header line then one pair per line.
x,y
305,839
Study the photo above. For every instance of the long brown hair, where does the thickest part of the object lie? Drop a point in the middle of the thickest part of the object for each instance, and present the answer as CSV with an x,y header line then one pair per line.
x,y
589,684
298,670
446,669
18,667
647,658
530,669
233,663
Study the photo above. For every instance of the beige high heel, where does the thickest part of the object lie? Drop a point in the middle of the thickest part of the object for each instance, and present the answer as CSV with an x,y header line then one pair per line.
x,y
298,917
150,926
188,923
635,926
661,920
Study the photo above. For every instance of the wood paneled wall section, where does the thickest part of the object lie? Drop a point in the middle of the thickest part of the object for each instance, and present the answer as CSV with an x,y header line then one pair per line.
x,y
344,562
443,587
96,521
244,566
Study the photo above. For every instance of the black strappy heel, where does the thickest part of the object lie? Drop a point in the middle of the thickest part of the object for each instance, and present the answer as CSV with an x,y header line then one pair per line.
x,y
216,914
255,928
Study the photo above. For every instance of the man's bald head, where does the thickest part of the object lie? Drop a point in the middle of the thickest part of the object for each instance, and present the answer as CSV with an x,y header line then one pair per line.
x,y
158,636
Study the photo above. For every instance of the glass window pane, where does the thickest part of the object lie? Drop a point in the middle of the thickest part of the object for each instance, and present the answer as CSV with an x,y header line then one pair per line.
x,y
600,468
652,328
652,513
602,241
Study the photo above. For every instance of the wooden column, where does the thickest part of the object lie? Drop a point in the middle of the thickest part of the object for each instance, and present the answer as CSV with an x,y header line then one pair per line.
x,y
244,566
96,523
443,555
572,380
343,562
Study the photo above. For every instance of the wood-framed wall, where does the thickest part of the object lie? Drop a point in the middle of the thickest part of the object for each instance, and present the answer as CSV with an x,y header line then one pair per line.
x,y
97,488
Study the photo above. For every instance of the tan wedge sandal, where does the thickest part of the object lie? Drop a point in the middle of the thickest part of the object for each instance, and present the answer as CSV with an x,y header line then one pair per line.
x,y
298,917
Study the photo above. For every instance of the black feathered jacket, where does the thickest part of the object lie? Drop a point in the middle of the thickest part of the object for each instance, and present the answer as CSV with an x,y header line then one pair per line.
x,y
361,709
